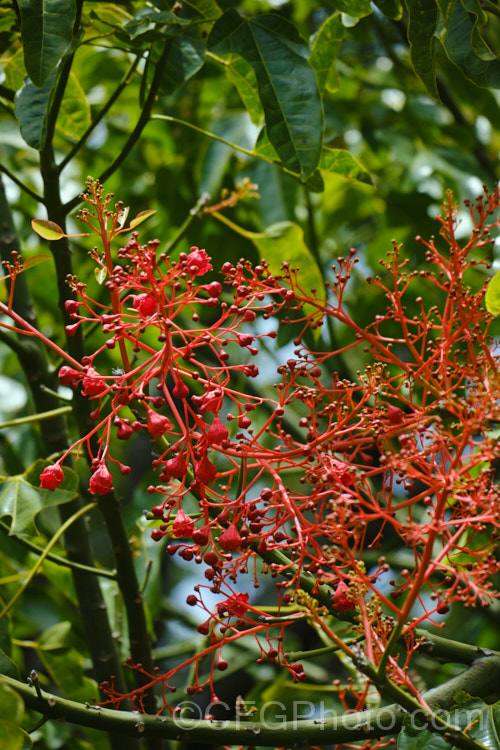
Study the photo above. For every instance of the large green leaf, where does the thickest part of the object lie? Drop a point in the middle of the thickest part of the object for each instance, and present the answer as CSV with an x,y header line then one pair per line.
x,y
457,36
46,29
422,21
11,714
30,108
390,8
287,83
324,52
285,241
186,56
482,721
22,499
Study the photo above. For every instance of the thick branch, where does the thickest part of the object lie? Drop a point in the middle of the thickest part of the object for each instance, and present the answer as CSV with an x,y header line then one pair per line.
x,y
480,679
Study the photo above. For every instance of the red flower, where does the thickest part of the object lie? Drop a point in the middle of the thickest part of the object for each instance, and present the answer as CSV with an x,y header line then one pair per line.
x,y
394,414
145,304
342,598
101,481
183,525
158,425
198,262
230,539
205,470
51,477
67,375
180,390
236,605
217,432
93,384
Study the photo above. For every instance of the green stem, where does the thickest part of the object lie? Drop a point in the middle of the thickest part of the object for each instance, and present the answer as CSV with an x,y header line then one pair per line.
x,y
55,558
37,417
34,570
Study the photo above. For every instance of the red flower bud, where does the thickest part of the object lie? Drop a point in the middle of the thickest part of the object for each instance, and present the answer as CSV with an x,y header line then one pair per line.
x,y
217,432
183,525
145,304
158,425
67,375
101,481
205,470
342,598
180,390
230,539
214,289
51,477
394,414
93,384
174,467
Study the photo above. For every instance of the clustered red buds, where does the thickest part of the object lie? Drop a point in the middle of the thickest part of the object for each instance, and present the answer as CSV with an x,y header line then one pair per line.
x,y
242,475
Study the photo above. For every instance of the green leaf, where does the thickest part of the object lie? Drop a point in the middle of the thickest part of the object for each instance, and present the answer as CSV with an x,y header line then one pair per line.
x,y
341,162
458,31
146,17
74,116
49,230
242,75
422,22
390,8
325,50
482,721
186,55
492,296
46,30
22,499
208,9
354,8
234,127
30,108
7,666
287,83
11,714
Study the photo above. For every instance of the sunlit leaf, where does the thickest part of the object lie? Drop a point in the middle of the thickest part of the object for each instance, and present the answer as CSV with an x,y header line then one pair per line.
x,y
324,52
422,21
287,83
242,75
74,116
49,230
46,30
141,216
101,274
31,110
22,499
492,296
354,8
34,260
341,162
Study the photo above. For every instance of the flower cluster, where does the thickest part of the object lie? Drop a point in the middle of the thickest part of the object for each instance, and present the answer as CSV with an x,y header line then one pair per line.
x,y
314,474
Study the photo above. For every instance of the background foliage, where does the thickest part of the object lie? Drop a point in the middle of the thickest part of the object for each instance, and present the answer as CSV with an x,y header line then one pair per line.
x,y
352,118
